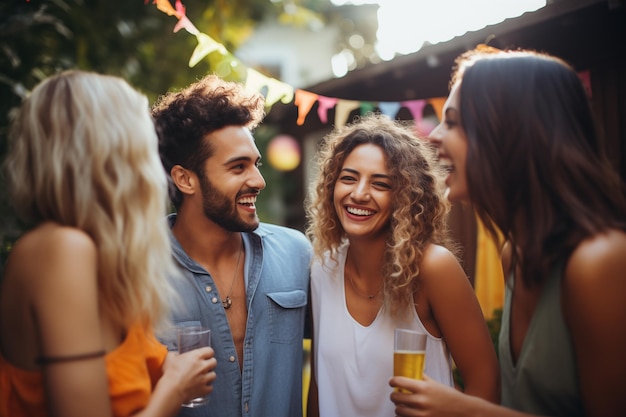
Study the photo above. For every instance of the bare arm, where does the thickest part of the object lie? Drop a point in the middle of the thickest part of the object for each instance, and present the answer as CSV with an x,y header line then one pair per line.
x,y
186,376
429,398
312,401
459,318
64,297
65,307
593,304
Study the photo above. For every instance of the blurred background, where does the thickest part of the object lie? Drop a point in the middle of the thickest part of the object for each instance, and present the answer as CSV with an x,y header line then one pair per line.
x,y
320,63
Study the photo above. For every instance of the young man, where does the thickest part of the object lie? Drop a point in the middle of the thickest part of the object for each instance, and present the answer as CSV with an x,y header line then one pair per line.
x,y
245,280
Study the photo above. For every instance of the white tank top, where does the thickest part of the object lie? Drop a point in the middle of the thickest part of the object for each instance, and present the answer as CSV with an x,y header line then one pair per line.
x,y
353,363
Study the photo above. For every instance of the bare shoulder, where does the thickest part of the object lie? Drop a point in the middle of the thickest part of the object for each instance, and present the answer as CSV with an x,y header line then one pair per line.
x,y
594,275
438,260
53,239
50,283
593,288
48,248
446,303
443,279
597,260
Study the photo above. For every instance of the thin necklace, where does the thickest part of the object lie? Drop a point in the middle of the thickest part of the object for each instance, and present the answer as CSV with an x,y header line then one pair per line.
x,y
359,293
227,302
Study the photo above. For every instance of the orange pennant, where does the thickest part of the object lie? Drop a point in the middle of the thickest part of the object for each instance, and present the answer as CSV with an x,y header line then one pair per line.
x,y
166,7
437,104
304,101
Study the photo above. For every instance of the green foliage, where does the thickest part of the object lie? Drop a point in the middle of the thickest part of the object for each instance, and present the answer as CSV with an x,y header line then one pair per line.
x,y
131,39
493,324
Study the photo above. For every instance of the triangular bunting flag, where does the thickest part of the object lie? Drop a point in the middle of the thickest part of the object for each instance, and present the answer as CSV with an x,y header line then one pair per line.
x,y
166,7
437,104
206,45
389,108
255,81
323,105
277,90
184,23
367,107
304,101
416,107
343,110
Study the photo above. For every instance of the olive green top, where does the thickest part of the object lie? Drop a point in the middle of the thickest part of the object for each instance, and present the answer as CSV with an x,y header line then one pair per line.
x,y
544,380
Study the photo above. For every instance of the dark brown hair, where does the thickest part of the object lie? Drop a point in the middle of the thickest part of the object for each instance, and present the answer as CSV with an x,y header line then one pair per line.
x,y
535,167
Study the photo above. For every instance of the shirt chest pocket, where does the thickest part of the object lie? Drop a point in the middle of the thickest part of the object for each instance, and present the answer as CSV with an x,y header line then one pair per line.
x,y
286,315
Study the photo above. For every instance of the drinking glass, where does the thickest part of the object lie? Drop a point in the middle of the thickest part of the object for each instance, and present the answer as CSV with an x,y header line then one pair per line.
x,y
189,338
409,354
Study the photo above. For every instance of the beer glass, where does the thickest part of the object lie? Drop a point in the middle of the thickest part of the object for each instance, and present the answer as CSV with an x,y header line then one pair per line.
x,y
409,353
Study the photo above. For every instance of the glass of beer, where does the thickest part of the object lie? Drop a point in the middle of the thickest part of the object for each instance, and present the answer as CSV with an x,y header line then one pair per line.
x,y
409,354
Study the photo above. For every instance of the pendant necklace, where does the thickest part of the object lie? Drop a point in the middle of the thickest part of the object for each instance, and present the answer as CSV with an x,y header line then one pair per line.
x,y
227,302
359,293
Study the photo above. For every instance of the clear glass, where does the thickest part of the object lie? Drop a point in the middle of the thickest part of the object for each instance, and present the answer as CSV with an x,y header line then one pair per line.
x,y
409,353
189,338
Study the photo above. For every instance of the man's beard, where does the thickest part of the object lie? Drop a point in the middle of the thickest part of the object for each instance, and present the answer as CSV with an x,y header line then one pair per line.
x,y
221,210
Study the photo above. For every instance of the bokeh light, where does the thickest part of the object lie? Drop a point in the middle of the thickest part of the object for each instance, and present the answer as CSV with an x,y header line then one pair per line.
x,y
283,153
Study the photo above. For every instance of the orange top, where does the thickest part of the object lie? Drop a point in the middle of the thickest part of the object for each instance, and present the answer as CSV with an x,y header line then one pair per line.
x,y
133,369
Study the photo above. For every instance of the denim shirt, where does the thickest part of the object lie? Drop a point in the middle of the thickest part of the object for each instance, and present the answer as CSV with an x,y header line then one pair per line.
x,y
277,265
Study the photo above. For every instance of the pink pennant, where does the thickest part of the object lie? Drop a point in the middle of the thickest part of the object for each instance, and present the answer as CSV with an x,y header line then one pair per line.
x,y
180,8
416,107
324,105
184,23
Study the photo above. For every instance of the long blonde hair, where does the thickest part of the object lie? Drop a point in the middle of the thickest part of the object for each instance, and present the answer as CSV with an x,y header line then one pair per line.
x,y
418,203
84,154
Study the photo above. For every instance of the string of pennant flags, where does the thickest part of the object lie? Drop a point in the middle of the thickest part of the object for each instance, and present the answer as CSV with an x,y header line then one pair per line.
x,y
276,90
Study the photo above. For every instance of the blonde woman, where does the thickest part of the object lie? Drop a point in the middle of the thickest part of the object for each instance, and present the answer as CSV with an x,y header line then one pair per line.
x,y
86,284
377,220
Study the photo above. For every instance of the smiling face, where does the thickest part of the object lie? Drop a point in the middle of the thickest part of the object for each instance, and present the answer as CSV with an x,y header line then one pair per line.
x,y
451,142
362,193
232,180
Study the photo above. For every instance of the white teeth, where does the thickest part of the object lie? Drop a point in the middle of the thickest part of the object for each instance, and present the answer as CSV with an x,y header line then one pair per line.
x,y
247,200
359,212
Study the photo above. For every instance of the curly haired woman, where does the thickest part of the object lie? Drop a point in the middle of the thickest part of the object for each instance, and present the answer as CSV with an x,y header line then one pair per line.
x,y
377,220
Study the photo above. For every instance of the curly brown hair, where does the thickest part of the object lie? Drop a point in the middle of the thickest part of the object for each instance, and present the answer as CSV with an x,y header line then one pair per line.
x,y
184,119
419,206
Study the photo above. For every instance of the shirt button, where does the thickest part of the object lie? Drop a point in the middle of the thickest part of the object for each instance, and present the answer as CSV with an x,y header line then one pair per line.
x,y
232,359
214,300
208,288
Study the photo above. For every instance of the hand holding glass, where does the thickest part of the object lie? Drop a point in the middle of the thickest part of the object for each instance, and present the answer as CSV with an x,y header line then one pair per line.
x,y
190,338
409,354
